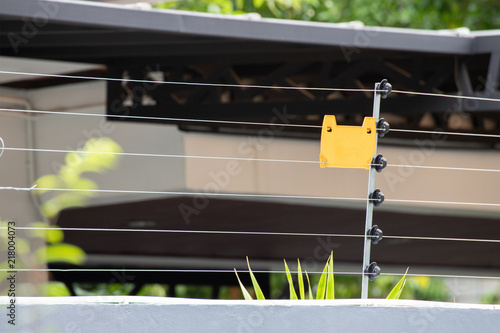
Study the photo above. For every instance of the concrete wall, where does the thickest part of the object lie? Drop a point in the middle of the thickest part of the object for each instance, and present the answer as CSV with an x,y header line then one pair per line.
x,y
149,314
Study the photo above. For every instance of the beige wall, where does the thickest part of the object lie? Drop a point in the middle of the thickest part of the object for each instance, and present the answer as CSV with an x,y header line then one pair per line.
x,y
311,180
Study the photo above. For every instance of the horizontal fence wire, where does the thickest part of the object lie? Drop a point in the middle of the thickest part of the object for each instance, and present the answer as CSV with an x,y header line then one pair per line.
x,y
162,155
443,202
476,98
167,270
441,167
80,77
231,122
42,150
445,133
230,85
258,233
248,159
278,196
158,118
183,83
34,188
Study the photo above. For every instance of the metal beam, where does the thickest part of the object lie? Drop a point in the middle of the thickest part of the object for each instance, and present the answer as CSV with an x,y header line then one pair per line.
x,y
239,27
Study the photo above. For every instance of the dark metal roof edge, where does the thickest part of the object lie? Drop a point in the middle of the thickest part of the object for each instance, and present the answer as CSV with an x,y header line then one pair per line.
x,y
247,27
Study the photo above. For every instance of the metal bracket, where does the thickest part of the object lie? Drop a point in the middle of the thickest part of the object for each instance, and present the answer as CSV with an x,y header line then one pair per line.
x,y
374,195
376,234
372,271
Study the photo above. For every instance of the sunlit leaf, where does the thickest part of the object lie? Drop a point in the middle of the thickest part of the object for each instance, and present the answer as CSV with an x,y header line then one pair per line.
x,y
293,294
398,288
50,208
52,235
320,293
301,281
246,294
53,206
309,286
330,287
258,3
54,288
153,290
85,184
71,199
69,175
61,253
401,290
48,181
73,160
101,155
256,287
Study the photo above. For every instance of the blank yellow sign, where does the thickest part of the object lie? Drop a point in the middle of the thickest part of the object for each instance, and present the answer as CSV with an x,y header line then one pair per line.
x,y
347,146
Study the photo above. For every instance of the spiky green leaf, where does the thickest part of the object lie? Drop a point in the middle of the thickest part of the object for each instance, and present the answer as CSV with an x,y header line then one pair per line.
x,y
256,287
309,286
293,294
320,293
330,286
244,291
398,288
301,281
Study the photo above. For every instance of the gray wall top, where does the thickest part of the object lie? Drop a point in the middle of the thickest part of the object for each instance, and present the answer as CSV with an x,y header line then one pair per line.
x,y
251,27
155,314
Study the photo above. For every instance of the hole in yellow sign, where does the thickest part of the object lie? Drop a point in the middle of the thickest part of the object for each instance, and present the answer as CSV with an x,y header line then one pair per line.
x,y
347,146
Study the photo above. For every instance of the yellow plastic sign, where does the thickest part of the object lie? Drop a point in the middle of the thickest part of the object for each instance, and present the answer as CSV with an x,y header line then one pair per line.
x,y
347,146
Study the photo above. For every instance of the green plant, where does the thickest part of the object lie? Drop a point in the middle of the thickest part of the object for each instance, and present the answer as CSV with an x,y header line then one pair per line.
x,y
422,14
97,156
398,288
40,246
325,288
43,242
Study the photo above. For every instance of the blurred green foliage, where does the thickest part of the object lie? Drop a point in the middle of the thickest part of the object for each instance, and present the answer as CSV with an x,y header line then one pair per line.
x,y
419,14
348,286
33,254
96,156
492,297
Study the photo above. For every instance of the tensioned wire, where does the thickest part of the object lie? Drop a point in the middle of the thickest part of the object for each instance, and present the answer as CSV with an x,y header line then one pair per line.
x,y
258,233
206,84
34,188
230,158
230,85
445,133
132,270
267,160
80,77
232,122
